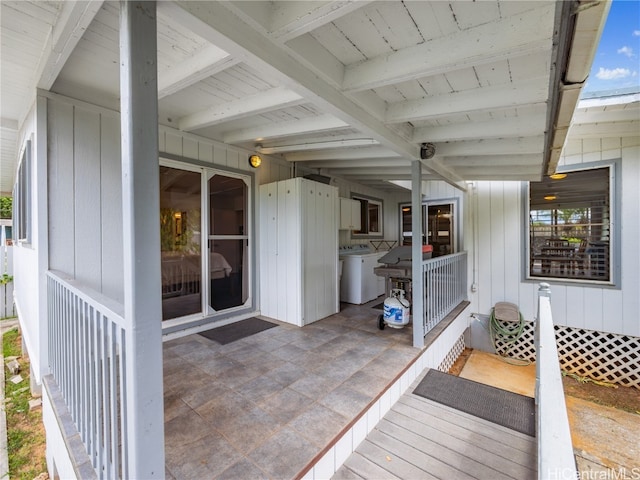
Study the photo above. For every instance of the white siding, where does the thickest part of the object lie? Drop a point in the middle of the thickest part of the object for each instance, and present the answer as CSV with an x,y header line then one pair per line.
x,y
498,255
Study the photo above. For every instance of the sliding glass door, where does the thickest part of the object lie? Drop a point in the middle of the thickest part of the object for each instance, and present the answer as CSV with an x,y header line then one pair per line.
x,y
199,282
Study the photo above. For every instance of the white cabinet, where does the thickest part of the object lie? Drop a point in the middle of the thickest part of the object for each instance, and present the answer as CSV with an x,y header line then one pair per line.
x,y
298,251
350,214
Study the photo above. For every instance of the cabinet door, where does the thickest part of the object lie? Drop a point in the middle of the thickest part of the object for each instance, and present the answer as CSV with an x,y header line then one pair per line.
x,y
356,217
345,214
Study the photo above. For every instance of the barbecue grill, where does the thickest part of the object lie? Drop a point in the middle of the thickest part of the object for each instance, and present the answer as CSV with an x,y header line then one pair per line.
x,y
396,268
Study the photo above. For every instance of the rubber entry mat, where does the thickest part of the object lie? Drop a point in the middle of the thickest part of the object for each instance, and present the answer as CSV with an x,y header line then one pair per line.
x,y
508,409
238,330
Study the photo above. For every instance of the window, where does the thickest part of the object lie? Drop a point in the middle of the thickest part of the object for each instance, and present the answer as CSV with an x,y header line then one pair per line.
x,y
570,225
438,226
22,197
370,216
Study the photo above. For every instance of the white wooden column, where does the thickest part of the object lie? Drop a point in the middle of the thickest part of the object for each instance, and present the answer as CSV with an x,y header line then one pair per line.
x,y
417,279
140,212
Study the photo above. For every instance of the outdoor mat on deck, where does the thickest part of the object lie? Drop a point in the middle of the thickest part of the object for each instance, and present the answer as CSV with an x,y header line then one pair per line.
x,y
236,331
508,409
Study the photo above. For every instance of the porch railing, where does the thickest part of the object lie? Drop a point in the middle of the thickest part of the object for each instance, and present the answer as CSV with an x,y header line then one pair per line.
x,y
88,359
445,286
555,450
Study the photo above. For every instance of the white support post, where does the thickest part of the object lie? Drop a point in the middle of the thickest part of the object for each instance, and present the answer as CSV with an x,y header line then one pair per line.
x,y
417,278
140,207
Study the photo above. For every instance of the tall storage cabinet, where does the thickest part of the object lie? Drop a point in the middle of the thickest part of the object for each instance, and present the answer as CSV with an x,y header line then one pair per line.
x,y
298,251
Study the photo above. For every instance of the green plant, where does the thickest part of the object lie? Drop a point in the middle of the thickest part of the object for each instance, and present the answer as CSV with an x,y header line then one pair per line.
x,y
6,207
25,431
6,278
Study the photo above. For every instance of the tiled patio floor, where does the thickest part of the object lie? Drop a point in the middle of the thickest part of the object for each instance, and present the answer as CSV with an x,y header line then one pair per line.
x,y
266,405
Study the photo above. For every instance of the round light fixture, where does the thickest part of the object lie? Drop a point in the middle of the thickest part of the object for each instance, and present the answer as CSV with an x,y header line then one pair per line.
x,y
550,197
255,161
557,176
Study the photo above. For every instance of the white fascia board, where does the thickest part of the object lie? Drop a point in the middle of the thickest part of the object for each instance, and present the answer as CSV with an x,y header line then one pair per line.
x,y
524,126
285,129
528,92
203,64
523,34
340,154
607,116
74,19
605,130
500,146
262,102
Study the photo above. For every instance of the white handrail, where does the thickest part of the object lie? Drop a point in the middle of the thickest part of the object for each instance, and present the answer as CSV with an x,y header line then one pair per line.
x,y
445,281
555,450
88,360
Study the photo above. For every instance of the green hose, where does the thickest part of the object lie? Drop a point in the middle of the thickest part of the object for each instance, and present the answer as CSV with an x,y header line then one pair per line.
x,y
509,334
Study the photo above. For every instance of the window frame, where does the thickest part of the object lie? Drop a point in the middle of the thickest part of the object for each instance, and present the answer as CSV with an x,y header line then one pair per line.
x,y
615,207
22,201
364,219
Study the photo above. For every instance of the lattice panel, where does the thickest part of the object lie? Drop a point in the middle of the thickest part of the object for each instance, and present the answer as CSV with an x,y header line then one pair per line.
x,y
601,356
524,348
452,356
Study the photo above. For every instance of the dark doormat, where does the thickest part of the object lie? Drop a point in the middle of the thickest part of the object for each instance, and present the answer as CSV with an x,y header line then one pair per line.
x,y
236,331
508,409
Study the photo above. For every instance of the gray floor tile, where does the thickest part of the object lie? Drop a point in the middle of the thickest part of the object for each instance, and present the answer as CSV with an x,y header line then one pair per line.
x,y
286,404
284,455
206,457
315,386
318,424
346,401
287,373
259,388
243,470
249,430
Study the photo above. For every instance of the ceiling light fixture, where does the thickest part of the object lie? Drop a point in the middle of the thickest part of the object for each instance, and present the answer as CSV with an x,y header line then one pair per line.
x,y
557,176
255,161
550,197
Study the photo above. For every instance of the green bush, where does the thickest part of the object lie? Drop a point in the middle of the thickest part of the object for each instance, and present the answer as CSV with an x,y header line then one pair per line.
x,y
6,207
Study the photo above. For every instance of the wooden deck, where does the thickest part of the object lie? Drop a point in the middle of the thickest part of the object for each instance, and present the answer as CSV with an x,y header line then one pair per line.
x,y
422,439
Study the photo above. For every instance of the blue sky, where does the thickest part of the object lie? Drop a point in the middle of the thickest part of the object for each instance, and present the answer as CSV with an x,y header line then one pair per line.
x,y
616,64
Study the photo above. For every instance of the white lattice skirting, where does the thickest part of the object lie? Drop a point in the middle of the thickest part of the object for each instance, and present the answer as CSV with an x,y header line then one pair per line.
x,y
601,356
451,357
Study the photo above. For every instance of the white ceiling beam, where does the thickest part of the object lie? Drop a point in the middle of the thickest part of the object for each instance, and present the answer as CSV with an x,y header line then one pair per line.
x,y
292,19
503,177
522,34
369,172
493,160
524,126
203,64
500,146
320,123
348,143
340,154
436,166
215,23
528,92
262,102
357,163
74,19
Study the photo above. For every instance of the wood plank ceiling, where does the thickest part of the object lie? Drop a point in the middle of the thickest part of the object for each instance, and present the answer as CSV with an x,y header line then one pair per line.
x,y
349,89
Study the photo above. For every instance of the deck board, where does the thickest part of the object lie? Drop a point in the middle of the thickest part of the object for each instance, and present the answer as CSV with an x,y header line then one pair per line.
x,y
420,438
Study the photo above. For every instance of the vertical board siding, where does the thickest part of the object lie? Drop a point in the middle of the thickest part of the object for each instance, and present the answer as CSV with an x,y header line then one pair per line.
x,y
87,197
111,209
61,198
501,257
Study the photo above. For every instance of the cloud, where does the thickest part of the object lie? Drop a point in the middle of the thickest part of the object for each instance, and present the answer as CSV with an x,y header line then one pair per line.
x,y
628,51
606,74
636,33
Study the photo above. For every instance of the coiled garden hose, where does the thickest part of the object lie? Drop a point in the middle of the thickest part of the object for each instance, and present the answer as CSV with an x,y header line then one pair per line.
x,y
509,332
